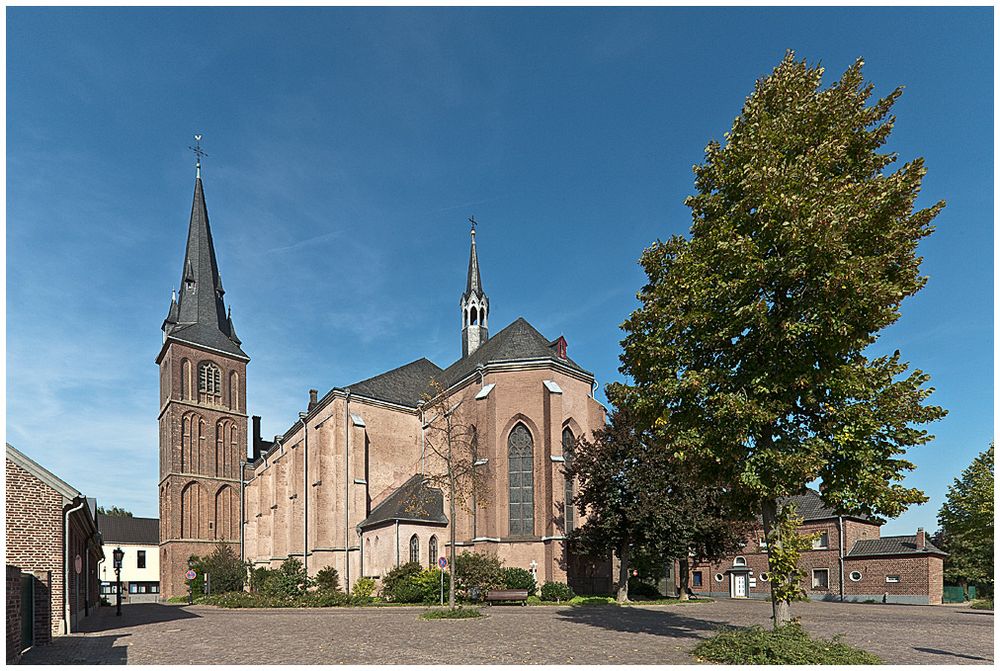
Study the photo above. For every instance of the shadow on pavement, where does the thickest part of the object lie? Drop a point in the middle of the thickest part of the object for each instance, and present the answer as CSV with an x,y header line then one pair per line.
x,y
133,615
641,621
76,650
935,651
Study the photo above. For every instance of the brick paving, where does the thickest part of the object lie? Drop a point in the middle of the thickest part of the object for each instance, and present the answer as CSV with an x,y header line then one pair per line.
x,y
166,634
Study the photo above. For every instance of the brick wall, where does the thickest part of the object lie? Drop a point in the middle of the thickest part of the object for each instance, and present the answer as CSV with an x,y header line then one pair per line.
x,y
919,579
34,534
13,613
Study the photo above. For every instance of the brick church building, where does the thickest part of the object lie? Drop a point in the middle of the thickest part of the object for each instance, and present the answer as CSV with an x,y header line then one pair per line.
x,y
337,488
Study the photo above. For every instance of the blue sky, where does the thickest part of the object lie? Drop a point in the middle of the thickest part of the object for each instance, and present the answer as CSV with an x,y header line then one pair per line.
x,y
347,149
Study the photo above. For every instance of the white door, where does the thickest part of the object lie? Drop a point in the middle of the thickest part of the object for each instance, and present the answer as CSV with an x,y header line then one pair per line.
x,y
739,585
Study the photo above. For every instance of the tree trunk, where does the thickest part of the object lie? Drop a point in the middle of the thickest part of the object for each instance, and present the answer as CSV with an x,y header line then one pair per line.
x,y
451,552
781,612
621,589
684,571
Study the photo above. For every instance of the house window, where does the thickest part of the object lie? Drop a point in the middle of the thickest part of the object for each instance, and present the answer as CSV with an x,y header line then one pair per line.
x,y
414,549
718,577
521,488
140,559
740,561
432,551
568,442
855,576
765,576
133,588
763,544
821,542
821,578
892,578
696,578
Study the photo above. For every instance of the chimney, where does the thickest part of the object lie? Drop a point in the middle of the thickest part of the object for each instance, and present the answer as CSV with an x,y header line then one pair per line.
x,y
256,437
312,399
921,539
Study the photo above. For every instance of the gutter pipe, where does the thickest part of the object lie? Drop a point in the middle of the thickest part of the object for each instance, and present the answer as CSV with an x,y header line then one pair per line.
x,y
347,491
66,566
840,529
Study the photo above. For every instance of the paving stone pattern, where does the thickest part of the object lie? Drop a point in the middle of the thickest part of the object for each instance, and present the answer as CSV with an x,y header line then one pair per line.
x,y
164,634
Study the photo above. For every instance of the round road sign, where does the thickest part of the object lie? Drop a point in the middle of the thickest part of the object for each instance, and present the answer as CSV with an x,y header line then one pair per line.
x,y
442,562
78,564
190,575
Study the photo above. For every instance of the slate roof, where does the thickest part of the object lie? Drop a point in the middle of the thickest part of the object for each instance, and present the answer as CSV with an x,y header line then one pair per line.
x,y
198,314
414,501
404,385
139,530
810,506
518,342
892,545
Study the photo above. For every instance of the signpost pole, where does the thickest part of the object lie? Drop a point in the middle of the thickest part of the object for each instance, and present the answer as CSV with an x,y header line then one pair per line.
x,y
442,564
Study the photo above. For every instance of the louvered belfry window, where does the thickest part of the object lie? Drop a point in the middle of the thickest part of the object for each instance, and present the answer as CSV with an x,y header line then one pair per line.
x,y
521,483
210,380
569,514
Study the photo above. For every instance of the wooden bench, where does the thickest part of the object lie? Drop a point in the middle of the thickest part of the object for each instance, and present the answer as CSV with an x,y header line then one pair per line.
x,y
497,595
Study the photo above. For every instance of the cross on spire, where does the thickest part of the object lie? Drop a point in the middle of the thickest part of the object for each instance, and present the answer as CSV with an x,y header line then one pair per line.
x,y
472,220
198,152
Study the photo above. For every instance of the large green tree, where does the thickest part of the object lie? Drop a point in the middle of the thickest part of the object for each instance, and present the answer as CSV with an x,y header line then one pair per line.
x,y
751,343
966,520
638,499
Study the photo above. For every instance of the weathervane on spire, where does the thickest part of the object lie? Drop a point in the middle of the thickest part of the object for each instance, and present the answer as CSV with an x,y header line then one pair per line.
x,y
198,152
472,220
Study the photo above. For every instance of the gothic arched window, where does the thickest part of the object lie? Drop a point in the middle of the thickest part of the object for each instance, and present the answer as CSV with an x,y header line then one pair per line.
x,y
414,549
521,487
210,380
432,551
234,390
569,514
185,379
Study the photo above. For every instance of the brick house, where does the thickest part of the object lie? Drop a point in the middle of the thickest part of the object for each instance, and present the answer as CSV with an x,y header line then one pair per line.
x,y
527,400
849,561
51,535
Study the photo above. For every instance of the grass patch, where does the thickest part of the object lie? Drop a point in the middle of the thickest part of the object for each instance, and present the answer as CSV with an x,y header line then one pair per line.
x,y
982,604
667,602
788,645
459,613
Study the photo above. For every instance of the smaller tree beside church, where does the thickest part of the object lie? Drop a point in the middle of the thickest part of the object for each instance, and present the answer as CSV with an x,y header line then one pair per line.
x,y
451,444
967,524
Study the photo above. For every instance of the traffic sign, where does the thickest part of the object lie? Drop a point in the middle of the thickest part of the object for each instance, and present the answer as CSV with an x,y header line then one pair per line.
x,y
190,575
442,562
78,564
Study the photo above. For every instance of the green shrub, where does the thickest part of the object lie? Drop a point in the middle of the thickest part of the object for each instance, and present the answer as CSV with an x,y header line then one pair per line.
x,y
591,600
788,645
518,578
363,588
982,604
429,581
534,601
325,598
556,591
227,571
476,570
448,614
328,580
288,581
401,585
637,589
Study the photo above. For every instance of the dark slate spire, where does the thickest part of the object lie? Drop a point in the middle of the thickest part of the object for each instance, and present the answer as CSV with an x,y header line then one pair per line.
x,y
474,283
474,303
199,316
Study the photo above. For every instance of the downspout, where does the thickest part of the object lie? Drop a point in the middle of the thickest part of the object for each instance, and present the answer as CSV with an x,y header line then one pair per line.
x,y
347,492
305,493
397,543
66,567
840,530
243,510
422,427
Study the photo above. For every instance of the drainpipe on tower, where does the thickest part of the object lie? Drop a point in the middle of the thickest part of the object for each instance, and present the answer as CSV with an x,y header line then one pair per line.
x,y
840,529
305,493
347,491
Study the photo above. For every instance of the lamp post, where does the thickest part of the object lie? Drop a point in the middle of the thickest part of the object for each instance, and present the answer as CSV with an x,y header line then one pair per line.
x,y
119,555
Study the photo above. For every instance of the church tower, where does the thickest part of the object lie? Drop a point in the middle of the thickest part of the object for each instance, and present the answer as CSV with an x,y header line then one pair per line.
x,y
203,421
475,304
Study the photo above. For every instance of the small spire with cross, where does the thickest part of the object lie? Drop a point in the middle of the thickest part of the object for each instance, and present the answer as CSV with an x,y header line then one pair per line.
x,y
198,152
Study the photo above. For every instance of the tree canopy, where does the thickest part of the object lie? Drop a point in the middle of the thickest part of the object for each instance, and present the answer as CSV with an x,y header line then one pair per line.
x,y
114,511
967,523
750,350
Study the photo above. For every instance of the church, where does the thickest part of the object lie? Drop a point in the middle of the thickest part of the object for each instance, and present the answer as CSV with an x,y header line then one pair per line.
x,y
337,488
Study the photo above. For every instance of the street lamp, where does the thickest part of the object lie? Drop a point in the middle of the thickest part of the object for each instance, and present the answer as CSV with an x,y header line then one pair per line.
x,y
118,555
